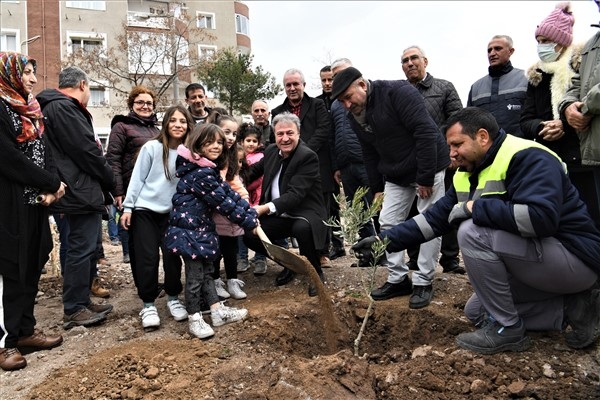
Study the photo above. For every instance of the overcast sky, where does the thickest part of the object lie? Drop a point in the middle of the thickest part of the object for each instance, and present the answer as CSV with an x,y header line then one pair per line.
x,y
454,34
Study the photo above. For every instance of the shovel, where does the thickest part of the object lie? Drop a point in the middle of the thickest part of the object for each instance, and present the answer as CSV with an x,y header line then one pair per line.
x,y
282,256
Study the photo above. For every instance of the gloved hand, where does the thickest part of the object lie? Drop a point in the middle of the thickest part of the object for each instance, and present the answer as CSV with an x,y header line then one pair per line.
x,y
364,252
459,213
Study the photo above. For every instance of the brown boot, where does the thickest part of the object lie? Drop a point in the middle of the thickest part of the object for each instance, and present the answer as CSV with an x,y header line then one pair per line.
x,y
11,359
97,290
39,341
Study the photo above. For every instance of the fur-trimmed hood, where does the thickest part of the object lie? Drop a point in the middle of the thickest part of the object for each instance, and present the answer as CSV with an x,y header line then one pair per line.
x,y
562,70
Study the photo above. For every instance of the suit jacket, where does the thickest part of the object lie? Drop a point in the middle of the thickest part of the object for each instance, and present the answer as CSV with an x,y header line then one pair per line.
x,y
316,131
300,190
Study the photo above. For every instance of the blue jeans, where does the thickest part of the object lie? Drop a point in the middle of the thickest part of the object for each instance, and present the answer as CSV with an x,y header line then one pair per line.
x,y
80,260
113,228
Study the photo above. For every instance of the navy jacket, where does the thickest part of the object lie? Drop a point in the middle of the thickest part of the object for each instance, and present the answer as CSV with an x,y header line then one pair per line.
x,y
347,147
535,178
405,145
201,192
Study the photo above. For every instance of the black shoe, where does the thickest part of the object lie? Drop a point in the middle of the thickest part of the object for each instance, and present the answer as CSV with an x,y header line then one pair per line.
x,y
312,288
412,265
285,277
421,297
582,312
494,338
389,290
454,268
336,252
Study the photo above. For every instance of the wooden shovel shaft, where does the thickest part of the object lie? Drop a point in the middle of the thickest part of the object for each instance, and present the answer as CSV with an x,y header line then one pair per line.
x,y
262,235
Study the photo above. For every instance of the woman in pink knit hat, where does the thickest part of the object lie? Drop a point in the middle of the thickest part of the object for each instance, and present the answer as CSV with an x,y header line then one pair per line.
x,y
549,79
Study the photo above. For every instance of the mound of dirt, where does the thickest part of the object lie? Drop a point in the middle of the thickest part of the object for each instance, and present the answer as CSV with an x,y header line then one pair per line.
x,y
291,347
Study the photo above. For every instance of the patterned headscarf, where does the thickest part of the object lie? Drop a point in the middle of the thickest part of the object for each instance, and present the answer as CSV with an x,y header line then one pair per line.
x,y
14,94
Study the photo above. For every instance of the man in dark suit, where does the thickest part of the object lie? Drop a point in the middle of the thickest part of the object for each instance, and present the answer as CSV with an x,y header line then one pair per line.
x,y
291,203
316,132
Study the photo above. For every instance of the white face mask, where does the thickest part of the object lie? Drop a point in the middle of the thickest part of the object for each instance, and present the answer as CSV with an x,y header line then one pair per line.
x,y
546,52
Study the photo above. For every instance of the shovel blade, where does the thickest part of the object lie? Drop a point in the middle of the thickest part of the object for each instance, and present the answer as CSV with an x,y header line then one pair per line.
x,y
286,258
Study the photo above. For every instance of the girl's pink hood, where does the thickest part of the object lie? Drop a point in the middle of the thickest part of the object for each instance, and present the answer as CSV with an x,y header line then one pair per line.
x,y
195,158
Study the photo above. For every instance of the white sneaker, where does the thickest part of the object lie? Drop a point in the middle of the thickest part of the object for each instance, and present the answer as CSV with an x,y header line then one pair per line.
x,y
220,286
150,317
177,310
234,288
226,315
198,327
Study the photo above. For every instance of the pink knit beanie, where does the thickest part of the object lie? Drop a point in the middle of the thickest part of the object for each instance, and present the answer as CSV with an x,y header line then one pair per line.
x,y
558,26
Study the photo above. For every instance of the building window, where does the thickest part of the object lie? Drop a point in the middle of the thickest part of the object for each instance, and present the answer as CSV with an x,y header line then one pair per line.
x,y
88,5
86,45
206,20
206,51
8,41
98,95
242,24
86,42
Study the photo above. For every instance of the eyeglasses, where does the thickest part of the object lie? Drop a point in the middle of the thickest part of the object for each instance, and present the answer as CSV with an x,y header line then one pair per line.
x,y
141,103
412,58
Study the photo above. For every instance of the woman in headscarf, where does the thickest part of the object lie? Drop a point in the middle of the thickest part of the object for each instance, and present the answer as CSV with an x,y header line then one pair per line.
x,y
29,183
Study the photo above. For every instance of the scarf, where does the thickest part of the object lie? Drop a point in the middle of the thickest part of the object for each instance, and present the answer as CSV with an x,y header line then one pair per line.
x,y
148,121
13,92
561,72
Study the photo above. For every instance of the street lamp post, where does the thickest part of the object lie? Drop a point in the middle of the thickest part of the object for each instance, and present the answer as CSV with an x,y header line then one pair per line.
x,y
30,40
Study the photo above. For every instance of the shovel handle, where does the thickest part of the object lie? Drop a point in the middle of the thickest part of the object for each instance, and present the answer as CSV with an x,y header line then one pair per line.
x,y
262,235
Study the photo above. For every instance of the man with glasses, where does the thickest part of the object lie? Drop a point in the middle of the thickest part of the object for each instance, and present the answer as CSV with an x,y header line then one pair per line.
x,y
441,101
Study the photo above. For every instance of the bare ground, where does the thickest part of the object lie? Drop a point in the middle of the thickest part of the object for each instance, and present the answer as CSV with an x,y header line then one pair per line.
x,y
282,351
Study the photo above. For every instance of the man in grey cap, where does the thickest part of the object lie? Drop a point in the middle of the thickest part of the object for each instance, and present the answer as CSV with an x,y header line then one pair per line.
x,y
406,156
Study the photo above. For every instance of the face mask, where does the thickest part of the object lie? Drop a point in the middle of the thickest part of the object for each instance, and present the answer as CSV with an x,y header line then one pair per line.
x,y
546,52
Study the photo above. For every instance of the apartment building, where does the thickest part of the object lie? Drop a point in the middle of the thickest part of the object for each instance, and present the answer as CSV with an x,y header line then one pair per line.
x,y
52,31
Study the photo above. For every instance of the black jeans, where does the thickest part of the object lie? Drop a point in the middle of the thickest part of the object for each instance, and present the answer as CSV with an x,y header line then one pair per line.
x,y
228,250
280,228
147,231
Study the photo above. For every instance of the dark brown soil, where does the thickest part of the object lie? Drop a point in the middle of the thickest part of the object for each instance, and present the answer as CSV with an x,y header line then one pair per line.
x,y
281,350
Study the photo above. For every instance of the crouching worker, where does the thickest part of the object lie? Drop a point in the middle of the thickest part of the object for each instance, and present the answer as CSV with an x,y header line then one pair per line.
x,y
528,242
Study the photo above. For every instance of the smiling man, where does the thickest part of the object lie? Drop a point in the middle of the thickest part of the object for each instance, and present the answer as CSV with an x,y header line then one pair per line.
x,y
529,245
503,91
291,202
315,131
195,97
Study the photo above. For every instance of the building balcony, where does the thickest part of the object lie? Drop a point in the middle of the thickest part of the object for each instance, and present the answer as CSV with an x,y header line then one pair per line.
x,y
148,20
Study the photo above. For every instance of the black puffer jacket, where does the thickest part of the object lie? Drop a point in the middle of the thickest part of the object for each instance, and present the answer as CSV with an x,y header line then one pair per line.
x,y
127,136
405,146
77,152
441,98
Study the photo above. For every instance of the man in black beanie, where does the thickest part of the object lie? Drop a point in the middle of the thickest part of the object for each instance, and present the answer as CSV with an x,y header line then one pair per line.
x,y
406,156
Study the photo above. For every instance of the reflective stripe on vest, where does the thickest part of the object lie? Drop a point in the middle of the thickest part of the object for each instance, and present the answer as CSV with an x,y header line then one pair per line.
x,y
492,178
